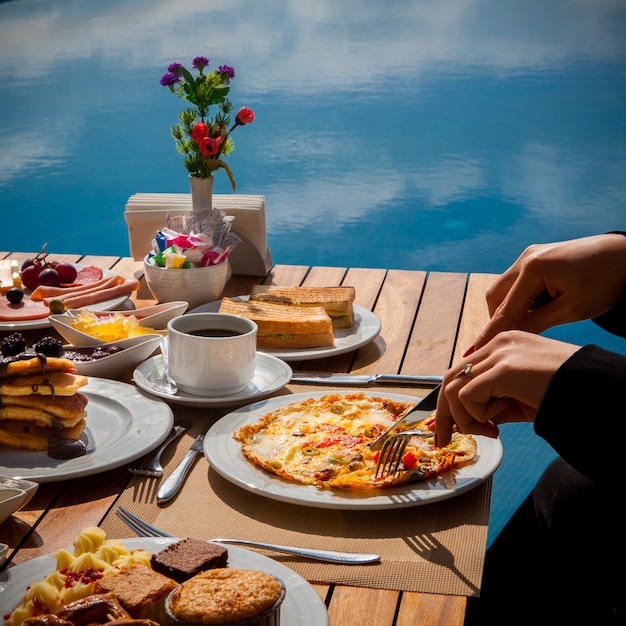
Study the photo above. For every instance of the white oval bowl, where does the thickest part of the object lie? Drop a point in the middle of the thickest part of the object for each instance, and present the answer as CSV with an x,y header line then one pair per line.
x,y
135,350
62,323
11,499
27,486
156,316
196,286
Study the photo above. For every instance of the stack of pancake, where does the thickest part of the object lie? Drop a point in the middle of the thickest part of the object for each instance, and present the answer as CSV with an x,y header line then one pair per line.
x,y
39,400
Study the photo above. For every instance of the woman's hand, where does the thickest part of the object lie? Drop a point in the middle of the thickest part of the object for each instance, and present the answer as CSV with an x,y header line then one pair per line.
x,y
506,382
583,279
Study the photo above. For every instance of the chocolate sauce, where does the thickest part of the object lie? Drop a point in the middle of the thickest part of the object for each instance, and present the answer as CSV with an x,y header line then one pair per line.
x,y
23,356
64,448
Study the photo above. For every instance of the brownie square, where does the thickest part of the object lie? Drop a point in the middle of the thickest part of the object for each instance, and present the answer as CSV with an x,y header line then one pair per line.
x,y
188,557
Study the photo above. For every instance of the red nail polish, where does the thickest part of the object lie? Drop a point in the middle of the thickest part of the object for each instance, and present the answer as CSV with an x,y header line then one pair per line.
x,y
469,350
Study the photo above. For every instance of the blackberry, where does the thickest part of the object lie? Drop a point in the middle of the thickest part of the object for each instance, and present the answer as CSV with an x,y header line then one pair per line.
x,y
13,345
49,346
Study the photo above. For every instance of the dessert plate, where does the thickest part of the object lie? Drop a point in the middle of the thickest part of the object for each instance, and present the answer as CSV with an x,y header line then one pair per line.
x,y
226,458
122,425
366,328
271,374
302,606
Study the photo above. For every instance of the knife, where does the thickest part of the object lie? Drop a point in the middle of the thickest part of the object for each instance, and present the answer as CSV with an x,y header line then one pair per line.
x,y
327,378
421,410
170,486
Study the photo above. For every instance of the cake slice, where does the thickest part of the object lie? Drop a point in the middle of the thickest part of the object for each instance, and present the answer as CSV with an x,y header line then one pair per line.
x,y
140,590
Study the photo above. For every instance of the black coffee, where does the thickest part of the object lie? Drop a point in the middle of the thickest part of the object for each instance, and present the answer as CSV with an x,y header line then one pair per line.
x,y
215,332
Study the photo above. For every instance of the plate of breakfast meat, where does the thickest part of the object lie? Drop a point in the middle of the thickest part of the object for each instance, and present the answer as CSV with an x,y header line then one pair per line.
x,y
303,323
56,424
314,450
26,303
152,573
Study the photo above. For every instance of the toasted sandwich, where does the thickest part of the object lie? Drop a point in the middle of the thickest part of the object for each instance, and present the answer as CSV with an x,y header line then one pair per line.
x,y
284,326
337,301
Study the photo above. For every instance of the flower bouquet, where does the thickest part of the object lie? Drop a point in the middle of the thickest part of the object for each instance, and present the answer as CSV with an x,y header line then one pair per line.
x,y
202,140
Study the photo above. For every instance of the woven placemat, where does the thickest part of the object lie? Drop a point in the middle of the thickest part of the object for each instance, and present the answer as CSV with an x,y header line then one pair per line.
x,y
437,547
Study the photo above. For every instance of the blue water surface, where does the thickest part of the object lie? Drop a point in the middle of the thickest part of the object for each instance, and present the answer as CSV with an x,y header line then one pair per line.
x,y
414,134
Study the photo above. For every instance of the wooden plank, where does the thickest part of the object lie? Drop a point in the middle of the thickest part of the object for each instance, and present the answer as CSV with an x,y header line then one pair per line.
x,y
421,609
429,351
83,502
475,312
356,606
287,275
396,308
325,277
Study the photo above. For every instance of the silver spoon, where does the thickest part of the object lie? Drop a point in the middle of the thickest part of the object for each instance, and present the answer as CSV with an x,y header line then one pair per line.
x,y
163,383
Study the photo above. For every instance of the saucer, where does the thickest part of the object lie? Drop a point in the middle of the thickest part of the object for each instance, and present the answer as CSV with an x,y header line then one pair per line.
x,y
270,375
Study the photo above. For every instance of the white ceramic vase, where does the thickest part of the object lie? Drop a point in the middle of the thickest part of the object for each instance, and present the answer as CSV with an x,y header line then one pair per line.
x,y
201,193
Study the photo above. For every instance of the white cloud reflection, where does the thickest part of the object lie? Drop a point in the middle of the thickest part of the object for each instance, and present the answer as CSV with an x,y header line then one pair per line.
x,y
299,50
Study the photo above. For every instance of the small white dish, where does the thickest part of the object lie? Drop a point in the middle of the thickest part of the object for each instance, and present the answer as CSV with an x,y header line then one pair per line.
x,y
15,493
10,501
271,374
133,351
196,285
62,323
156,316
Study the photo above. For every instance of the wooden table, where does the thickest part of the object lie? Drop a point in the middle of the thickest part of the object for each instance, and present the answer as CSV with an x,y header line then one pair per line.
x,y
428,321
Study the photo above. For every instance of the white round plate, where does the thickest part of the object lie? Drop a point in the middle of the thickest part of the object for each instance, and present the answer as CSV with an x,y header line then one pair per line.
x,y
225,457
108,305
122,425
302,605
270,375
366,328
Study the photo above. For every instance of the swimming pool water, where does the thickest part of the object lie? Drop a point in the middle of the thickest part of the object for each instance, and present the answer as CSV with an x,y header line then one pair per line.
x,y
434,136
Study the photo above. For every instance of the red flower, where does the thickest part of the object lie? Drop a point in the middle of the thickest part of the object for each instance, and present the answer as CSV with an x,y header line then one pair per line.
x,y
244,116
210,146
199,132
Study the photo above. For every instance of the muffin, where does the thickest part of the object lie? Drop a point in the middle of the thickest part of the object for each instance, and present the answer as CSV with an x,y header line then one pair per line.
x,y
222,596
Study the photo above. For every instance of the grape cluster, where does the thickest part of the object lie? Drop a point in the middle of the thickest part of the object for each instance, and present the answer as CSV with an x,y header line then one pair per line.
x,y
40,271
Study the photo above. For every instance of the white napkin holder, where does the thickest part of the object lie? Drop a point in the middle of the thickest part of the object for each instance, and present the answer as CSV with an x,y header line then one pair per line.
x,y
147,213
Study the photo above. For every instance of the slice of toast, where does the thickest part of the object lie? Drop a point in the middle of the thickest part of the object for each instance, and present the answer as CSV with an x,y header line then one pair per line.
x,y
284,326
337,301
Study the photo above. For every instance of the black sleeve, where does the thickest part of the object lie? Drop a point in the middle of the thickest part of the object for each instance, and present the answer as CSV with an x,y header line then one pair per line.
x,y
614,321
582,413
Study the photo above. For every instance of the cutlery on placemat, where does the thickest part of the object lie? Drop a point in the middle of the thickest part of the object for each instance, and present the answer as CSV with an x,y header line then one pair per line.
x,y
143,529
328,378
170,486
420,411
153,467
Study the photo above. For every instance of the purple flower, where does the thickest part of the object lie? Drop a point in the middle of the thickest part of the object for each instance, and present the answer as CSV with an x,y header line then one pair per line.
x,y
226,69
175,68
199,63
167,80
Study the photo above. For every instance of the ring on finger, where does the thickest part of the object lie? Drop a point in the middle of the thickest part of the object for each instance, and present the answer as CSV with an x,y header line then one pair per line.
x,y
465,370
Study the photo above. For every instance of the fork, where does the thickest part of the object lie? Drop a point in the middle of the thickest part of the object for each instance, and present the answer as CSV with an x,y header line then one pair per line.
x,y
153,467
426,405
143,529
390,456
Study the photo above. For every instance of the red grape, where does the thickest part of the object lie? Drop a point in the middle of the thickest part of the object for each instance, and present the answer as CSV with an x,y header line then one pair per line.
x,y
28,263
30,276
67,272
49,276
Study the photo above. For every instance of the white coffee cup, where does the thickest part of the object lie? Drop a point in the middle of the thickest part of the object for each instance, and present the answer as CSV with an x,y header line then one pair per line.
x,y
211,354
